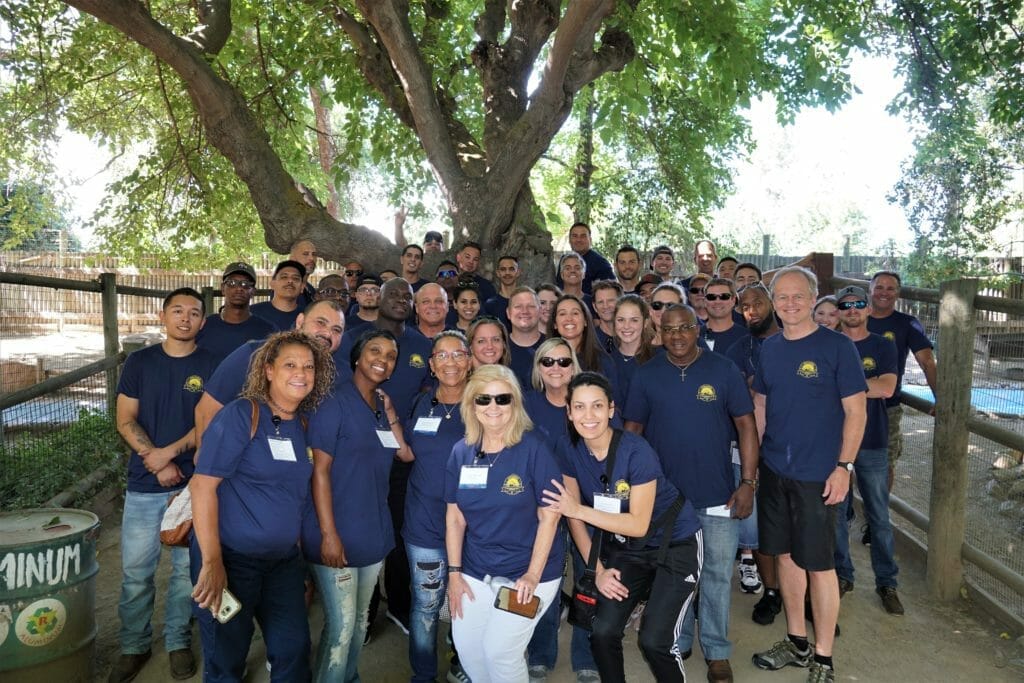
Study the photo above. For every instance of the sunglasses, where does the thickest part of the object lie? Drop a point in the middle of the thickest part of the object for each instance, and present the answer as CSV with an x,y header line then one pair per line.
x,y
658,305
548,361
847,305
242,284
457,356
447,273
718,297
696,290
485,399
331,291
752,285
353,273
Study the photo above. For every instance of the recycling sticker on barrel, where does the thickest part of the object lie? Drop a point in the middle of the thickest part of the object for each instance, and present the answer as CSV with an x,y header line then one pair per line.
x,y
5,623
41,622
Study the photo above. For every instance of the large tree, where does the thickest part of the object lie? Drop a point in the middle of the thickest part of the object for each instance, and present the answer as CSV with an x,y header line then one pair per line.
x,y
474,91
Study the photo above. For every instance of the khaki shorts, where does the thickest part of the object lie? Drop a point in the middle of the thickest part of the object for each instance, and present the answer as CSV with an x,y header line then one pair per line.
x,y
895,433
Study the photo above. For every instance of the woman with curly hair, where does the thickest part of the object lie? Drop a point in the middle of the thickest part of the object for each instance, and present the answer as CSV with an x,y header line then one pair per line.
x,y
249,491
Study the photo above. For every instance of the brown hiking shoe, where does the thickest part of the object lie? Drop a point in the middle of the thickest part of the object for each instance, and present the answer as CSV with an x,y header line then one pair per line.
x,y
128,667
183,664
890,601
719,671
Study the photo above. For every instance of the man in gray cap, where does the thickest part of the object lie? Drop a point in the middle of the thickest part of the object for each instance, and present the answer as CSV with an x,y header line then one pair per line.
x,y
878,357
235,323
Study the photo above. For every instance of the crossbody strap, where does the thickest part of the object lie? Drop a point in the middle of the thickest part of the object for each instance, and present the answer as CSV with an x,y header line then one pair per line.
x,y
609,468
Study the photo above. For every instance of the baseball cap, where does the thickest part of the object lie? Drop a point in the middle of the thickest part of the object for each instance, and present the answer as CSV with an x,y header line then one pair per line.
x,y
663,249
369,280
649,279
433,236
852,290
239,267
290,264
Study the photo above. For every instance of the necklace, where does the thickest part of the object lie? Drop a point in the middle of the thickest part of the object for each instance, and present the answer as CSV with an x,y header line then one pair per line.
x,y
490,463
684,368
278,408
447,412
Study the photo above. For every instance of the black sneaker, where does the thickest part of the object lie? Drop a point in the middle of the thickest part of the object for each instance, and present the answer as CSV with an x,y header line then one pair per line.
x,y
866,538
890,601
128,667
845,586
767,607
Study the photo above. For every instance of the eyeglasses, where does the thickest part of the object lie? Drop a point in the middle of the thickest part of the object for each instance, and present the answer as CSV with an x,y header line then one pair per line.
x,y
718,297
658,305
548,361
353,273
331,291
432,242
485,399
368,290
241,284
457,356
676,329
447,273
847,305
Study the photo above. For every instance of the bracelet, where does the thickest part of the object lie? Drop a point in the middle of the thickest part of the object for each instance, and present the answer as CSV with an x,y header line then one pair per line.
x,y
752,483
392,422
454,569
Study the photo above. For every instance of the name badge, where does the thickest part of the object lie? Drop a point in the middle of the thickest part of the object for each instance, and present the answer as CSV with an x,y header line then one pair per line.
x,y
718,511
427,425
473,477
281,449
387,438
606,503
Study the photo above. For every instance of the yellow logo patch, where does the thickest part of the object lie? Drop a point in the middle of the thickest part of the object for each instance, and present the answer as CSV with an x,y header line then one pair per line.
x,y
869,364
416,361
513,485
890,335
706,393
807,369
622,489
194,384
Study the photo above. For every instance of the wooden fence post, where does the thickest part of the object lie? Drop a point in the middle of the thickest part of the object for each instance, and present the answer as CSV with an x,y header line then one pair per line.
x,y
949,443
111,343
208,299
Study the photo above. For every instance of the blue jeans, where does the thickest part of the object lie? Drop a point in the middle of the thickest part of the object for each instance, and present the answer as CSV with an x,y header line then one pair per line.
x,y
428,568
346,597
872,468
140,554
748,526
272,593
721,537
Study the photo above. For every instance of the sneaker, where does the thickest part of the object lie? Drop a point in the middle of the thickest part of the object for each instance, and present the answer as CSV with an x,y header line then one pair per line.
x,y
719,671
638,613
587,676
128,667
845,586
821,673
750,580
456,674
782,653
397,621
890,601
538,673
866,538
183,664
767,607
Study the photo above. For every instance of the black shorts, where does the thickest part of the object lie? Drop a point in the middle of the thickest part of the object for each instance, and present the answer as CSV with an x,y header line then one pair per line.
x,y
792,518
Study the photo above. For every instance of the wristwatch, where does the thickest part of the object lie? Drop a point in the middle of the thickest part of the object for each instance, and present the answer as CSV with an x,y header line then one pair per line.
x,y
848,466
752,483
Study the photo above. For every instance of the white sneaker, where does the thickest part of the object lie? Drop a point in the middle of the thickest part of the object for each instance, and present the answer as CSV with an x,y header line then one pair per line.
x,y
750,580
538,673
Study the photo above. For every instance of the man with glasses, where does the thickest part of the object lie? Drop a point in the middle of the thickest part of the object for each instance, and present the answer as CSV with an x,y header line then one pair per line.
x,y
689,403
353,271
878,357
368,304
810,389
412,261
235,323
334,287
721,330
283,307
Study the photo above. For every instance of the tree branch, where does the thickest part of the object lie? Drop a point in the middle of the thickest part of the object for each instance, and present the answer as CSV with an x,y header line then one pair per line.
x,y
212,34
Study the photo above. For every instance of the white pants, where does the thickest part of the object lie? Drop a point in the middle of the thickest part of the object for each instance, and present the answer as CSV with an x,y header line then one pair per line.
x,y
492,642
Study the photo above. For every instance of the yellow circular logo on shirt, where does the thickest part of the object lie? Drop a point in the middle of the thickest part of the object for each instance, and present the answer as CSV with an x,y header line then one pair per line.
x,y
807,369
416,361
869,364
194,384
513,485
706,393
622,489
890,335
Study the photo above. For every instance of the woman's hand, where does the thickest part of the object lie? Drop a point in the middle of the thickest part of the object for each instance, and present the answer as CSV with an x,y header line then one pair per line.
x,y
389,410
562,500
210,585
332,552
457,587
608,581
526,586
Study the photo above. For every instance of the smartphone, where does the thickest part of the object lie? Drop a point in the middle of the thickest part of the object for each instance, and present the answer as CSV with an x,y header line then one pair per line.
x,y
229,607
508,600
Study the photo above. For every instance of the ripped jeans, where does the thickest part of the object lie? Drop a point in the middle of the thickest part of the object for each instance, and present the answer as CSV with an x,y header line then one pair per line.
x,y
428,568
346,596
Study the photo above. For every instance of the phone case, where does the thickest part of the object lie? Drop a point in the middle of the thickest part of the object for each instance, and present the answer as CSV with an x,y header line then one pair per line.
x,y
229,607
508,600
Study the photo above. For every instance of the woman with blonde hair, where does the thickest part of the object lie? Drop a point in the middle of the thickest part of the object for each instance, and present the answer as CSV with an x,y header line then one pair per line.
x,y
499,533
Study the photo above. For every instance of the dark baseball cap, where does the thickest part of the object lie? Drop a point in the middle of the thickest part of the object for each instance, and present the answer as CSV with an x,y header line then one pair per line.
x,y
663,249
649,279
239,267
369,279
852,290
290,264
433,236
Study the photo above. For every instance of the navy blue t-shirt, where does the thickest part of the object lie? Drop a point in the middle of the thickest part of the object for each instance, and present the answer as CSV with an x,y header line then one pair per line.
x,y
877,357
221,338
167,389
281,320
522,361
804,381
344,427
549,420
907,333
635,463
424,500
497,306
262,497
501,519
227,381
604,340
721,341
485,289
411,373
746,354
690,424
598,268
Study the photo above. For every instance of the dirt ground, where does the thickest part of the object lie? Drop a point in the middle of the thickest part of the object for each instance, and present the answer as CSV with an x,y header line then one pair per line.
x,y
933,642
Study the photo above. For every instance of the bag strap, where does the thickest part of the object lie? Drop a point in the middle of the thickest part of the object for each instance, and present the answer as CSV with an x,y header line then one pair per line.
x,y
667,522
609,468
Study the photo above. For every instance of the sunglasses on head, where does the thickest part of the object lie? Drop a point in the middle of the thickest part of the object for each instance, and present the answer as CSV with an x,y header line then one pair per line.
x,y
548,361
485,399
353,273
447,273
718,297
847,305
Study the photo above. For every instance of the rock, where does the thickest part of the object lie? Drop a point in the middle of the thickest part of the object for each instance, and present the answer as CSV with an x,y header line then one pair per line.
x,y
1008,474
996,489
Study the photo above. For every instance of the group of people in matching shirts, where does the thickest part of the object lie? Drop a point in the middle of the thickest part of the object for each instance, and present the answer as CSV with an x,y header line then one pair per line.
x,y
648,432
